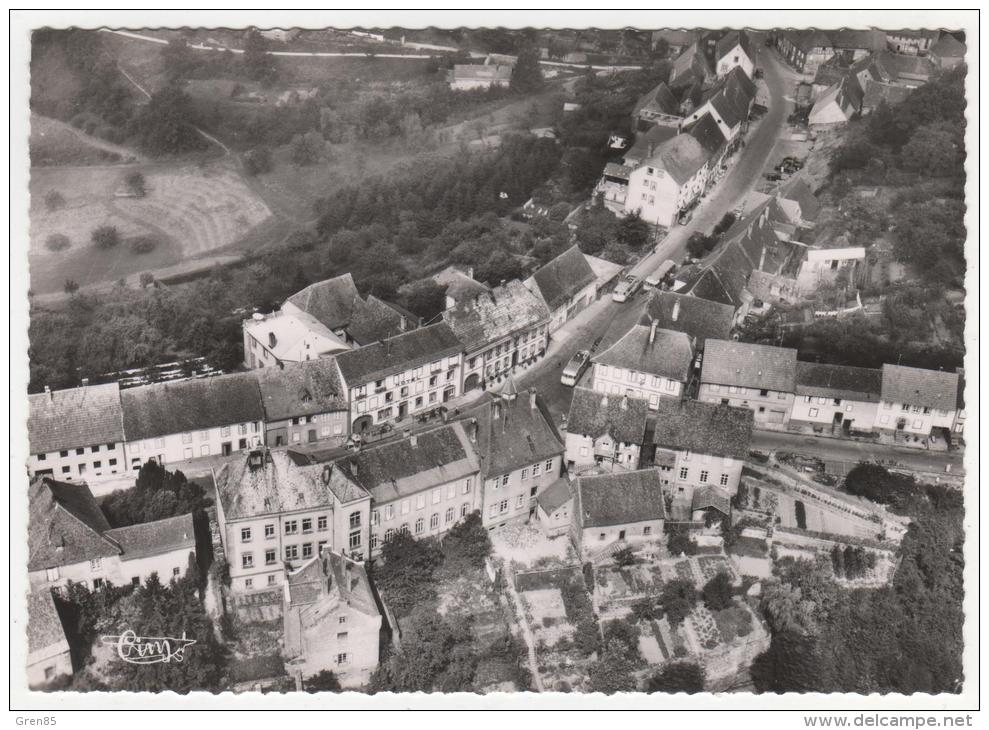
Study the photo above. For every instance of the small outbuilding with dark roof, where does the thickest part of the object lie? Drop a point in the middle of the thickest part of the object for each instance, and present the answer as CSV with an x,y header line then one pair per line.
x,y
555,507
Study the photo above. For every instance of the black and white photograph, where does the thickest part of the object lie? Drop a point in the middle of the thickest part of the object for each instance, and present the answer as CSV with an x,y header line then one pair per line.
x,y
614,363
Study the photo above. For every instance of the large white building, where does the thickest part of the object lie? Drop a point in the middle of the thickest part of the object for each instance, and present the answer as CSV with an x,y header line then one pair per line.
x,y
734,50
287,337
670,180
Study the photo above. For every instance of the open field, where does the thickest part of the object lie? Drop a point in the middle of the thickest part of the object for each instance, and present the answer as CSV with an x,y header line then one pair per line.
x,y
189,210
53,142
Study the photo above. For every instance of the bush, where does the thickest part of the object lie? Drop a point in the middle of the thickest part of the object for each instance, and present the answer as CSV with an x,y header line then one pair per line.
x,y
699,245
105,236
57,242
678,542
71,286
624,557
678,598
733,622
677,677
718,592
645,609
143,244
801,514
467,544
586,638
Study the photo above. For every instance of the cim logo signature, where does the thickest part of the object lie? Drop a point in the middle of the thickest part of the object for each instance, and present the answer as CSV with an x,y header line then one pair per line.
x,y
136,649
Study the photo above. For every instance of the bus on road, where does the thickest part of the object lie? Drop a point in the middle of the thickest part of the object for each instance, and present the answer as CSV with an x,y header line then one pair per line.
x,y
575,368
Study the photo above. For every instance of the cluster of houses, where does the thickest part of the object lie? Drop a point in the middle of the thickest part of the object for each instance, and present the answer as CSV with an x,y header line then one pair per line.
x,y
687,128
854,71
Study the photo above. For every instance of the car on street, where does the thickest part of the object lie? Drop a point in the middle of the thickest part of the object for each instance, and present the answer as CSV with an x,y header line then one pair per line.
x,y
575,368
656,278
626,288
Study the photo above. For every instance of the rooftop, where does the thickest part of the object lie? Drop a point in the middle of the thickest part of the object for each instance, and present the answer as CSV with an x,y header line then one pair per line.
x,y
681,157
620,498
161,409
65,525
658,100
728,42
703,428
563,277
918,387
374,319
282,331
44,626
664,352
708,133
64,419
839,381
155,538
272,481
646,143
301,389
489,72
330,301
750,366
555,496
398,354
489,317
596,414
332,576
947,46
699,319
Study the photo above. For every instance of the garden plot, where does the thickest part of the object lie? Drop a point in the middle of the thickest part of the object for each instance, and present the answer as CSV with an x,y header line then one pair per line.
x,y
818,518
471,594
525,544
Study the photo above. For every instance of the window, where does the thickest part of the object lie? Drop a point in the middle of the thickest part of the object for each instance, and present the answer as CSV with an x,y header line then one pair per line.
x,y
245,534
703,477
291,527
420,501
647,530
434,521
406,506
307,550
270,557
549,466
80,451
504,480
341,658
535,470
503,506
467,487
321,523
291,552
374,540
437,495
812,412
404,528
683,472
520,501
176,571
319,547
247,560
464,509
355,539
420,525
341,636
269,531
96,564
389,534
450,514
724,480
307,524
271,579
525,474
601,537
389,511
492,510
375,518
248,583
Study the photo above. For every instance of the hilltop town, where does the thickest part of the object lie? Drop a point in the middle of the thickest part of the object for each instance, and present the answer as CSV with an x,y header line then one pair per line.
x,y
650,379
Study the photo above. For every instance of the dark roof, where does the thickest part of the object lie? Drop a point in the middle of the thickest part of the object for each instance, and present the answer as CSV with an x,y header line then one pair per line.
x,y
154,538
668,354
869,40
948,46
961,389
301,389
397,354
66,419
931,388
799,191
332,575
65,525
706,131
646,142
513,432
699,319
807,40
555,496
373,320
191,405
401,467
330,301
703,428
839,381
711,496
482,72
681,157
733,98
750,366
283,481
728,41
488,317
689,67
595,414
563,277
658,100
620,498
877,92
44,626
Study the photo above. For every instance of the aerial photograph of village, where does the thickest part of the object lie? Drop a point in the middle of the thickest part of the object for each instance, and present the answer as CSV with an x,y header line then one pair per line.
x,y
478,360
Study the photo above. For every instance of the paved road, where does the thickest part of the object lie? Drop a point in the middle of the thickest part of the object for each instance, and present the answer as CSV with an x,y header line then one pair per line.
x,y
854,451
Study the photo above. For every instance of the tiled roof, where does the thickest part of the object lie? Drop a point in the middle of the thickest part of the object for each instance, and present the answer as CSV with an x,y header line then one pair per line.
x,y
681,157
839,381
807,40
729,40
799,191
703,428
374,320
301,389
646,143
668,354
620,498
44,626
66,419
330,301
555,496
595,414
711,496
397,354
489,317
513,432
876,93
699,319
749,366
482,72
689,67
706,131
284,481
287,328
733,98
675,37
458,284
947,46
155,538
406,466
563,277
191,405
658,100
613,169
330,576
930,388
868,40
902,67
65,525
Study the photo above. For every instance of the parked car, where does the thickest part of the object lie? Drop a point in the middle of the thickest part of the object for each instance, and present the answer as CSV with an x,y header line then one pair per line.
x,y
685,216
626,288
773,176
657,277
575,368
757,74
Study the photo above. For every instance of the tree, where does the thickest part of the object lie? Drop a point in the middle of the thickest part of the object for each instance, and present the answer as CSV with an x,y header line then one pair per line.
x,y
624,557
57,242
70,287
675,677
258,161
105,236
147,279
645,609
527,77
425,298
466,545
677,599
323,681
718,591
405,576
166,124
934,149
258,63
308,148
678,541
157,494
613,671
136,185
787,609
143,244
633,231
624,633
699,245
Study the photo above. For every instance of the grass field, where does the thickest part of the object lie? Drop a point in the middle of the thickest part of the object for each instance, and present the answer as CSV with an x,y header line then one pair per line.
x,y
56,143
189,210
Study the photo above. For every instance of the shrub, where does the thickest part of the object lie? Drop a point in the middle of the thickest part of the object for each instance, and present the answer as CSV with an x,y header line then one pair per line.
x,y
258,161
801,514
645,609
718,592
143,244
548,621
677,677
71,286
624,557
57,242
678,541
105,236
733,622
586,638
678,599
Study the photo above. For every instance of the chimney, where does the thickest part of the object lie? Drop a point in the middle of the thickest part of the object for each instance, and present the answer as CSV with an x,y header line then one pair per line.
x,y
48,392
624,402
532,398
470,272
652,331
353,467
414,441
85,382
472,430
676,310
